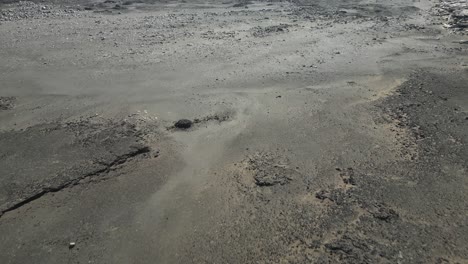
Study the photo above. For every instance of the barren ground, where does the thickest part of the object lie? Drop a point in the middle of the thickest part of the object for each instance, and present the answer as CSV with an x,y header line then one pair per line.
x,y
325,132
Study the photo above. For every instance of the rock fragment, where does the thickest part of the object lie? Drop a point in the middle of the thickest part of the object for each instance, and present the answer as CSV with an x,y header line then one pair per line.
x,y
183,124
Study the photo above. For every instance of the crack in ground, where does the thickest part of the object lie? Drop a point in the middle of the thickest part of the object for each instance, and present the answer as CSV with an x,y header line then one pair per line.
x,y
140,150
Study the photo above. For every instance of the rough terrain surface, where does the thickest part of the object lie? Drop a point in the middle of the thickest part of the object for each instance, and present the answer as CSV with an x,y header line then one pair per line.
x,y
233,131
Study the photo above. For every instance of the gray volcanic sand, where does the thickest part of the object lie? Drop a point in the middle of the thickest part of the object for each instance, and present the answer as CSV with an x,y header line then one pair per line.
x,y
323,132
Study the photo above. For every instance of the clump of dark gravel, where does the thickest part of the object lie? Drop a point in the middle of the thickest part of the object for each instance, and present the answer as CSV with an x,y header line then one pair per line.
x,y
7,103
265,31
269,170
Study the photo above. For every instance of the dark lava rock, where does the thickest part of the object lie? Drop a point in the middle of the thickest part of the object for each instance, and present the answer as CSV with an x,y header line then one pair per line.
x,y
183,124
84,149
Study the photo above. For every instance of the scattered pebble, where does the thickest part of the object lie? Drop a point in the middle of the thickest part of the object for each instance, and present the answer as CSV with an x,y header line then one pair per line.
x,y
183,124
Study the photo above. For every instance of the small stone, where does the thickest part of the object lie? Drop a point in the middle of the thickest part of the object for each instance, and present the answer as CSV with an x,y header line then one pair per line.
x,y
183,124
71,245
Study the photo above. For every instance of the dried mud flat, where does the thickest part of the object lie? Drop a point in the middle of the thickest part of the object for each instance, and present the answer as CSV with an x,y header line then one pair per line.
x,y
233,132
